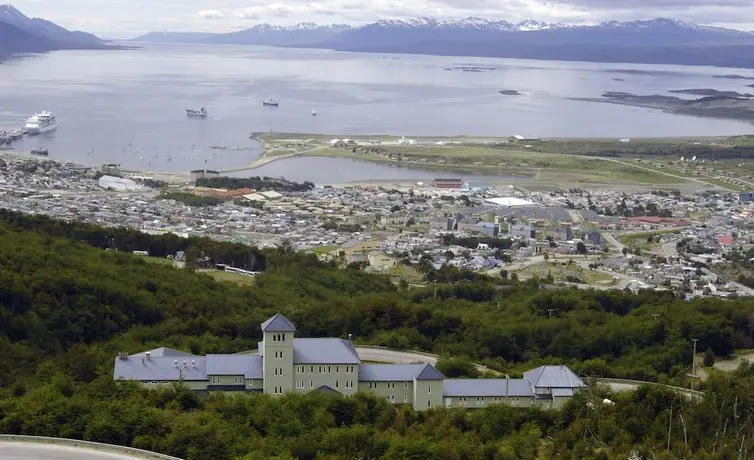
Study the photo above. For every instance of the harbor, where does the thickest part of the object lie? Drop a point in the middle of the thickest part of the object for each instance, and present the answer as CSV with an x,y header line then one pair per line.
x,y
8,136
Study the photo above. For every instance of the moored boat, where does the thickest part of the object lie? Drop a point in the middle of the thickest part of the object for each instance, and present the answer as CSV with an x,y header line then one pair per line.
x,y
41,122
201,112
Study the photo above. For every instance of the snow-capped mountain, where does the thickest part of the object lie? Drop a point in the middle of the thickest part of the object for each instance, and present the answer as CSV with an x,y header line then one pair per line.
x,y
659,40
470,23
304,33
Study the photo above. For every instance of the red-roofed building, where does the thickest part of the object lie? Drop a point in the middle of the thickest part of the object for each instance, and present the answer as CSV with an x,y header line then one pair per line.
x,y
726,242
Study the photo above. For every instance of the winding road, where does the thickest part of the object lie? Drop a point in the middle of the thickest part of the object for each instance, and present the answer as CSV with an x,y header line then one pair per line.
x,y
29,451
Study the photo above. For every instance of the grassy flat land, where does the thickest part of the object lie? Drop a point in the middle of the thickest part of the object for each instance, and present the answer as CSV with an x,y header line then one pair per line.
x,y
595,161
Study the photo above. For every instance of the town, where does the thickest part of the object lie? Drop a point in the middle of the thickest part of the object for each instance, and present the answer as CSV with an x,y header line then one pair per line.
x,y
694,244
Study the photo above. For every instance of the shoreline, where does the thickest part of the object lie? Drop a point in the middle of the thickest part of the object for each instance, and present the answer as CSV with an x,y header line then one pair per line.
x,y
548,162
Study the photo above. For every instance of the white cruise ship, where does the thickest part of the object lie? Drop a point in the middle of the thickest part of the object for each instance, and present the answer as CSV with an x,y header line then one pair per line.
x,y
41,122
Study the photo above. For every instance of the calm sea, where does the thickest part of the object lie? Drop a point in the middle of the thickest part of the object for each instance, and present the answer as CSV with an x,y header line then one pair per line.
x,y
128,107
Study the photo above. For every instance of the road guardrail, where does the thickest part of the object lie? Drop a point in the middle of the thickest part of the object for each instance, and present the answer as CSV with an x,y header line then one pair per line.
x,y
131,451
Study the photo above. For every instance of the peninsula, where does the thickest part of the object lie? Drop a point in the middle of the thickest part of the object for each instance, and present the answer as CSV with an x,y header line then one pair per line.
x,y
544,162
714,104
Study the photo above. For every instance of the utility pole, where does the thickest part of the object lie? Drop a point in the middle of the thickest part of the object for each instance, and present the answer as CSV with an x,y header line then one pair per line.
x,y
551,311
693,359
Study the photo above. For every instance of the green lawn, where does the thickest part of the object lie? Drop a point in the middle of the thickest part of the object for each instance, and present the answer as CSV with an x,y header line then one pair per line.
x,y
228,276
631,239
560,273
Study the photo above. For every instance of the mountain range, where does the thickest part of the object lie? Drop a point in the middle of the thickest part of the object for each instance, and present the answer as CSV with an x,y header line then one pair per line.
x,y
661,41
21,34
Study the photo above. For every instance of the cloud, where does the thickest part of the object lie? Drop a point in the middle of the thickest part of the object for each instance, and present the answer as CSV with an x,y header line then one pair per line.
x,y
654,5
210,14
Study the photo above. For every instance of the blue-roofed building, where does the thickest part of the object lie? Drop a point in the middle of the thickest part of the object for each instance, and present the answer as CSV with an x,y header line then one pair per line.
x,y
286,364
746,197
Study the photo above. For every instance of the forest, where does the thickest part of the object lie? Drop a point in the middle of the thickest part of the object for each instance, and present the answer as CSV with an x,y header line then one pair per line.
x,y
69,306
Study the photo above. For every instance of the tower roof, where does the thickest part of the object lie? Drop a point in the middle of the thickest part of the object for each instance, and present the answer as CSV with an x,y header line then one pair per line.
x,y
278,323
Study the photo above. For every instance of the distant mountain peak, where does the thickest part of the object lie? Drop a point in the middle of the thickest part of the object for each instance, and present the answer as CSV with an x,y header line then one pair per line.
x,y
10,12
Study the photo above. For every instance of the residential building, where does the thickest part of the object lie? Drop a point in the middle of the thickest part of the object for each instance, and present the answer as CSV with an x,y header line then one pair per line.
x,y
489,228
594,238
746,197
287,364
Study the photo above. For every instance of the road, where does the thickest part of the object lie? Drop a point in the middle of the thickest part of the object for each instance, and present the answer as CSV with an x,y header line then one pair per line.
x,y
745,289
45,451
613,242
263,160
683,178
670,249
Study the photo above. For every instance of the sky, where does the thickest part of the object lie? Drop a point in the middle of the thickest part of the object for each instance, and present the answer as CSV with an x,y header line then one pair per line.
x,y
128,18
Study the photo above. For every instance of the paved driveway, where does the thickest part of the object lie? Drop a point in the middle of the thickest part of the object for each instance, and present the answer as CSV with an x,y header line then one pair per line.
x,y
46,451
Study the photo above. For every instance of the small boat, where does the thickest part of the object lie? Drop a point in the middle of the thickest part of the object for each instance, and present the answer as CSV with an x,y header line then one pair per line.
x,y
270,103
16,134
314,113
201,112
40,152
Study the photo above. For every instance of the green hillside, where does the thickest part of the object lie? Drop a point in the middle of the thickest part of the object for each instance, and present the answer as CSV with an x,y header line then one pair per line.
x,y
69,306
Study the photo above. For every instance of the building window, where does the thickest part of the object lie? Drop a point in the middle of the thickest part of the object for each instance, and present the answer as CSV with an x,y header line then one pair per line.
x,y
320,369
312,369
328,369
405,399
429,389
311,383
479,401
405,385
283,337
281,354
337,369
429,403
336,384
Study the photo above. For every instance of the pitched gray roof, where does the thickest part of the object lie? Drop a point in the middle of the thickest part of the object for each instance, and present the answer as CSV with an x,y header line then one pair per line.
x,y
389,372
397,372
329,390
248,366
159,368
278,323
429,373
488,387
324,351
160,352
553,377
